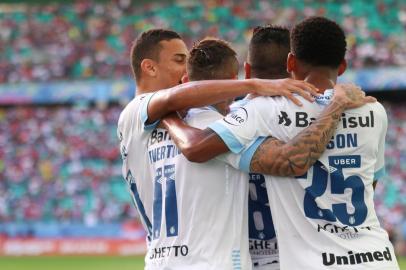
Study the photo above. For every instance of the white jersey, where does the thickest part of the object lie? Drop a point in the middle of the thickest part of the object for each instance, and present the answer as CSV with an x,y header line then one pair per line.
x,y
199,218
262,238
133,135
326,218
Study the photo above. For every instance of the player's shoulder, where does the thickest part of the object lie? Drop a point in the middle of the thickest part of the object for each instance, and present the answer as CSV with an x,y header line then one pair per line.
x,y
267,103
201,117
376,107
132,107
135,103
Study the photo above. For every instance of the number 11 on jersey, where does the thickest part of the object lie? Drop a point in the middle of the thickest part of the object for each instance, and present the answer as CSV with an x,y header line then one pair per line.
x,y
165,174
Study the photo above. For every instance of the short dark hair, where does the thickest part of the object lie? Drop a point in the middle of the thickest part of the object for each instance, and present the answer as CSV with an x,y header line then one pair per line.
x,y
318,41
268,50
147,46
210,59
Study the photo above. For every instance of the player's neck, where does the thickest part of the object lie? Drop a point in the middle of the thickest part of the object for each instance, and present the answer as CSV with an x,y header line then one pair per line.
x,y
322,79
144,87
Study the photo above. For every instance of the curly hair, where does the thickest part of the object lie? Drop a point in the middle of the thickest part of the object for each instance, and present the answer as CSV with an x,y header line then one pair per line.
x,y
147,46
212,58
268,50
318,41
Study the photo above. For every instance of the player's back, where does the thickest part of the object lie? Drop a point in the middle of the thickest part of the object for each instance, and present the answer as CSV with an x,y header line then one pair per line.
x,y
199,210
326,218
262,238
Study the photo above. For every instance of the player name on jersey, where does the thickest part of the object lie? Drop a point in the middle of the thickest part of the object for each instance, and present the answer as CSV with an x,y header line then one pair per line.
x,y
162,252
161,151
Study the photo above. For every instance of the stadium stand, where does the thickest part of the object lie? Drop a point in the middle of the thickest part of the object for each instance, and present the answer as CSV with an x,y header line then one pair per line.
x,y
90,39
61,164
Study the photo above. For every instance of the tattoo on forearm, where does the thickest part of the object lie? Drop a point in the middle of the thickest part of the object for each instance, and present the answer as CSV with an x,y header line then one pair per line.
x,y
275,157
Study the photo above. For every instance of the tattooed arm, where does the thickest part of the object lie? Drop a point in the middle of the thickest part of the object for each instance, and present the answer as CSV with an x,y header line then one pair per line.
x,y
273,156
296,156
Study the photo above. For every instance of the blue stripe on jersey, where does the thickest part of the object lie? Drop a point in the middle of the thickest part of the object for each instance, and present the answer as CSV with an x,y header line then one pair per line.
x,y
379,174
141,209
248,153
157,205
229,139
171,205
144,113
236,259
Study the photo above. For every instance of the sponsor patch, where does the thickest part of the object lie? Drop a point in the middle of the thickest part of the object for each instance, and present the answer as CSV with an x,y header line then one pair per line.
x,y
353,258
284,119
237,118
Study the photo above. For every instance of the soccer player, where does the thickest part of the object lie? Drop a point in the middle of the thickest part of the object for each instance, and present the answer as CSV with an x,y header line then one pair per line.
x,y
268,49
324,219
158,60
201,209
267,52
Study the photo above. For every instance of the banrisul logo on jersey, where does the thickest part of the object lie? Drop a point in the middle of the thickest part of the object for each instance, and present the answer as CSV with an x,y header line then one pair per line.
x,y
284,119
302,119
237,118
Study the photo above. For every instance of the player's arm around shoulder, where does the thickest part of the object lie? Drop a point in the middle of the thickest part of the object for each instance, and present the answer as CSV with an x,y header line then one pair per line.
x,y
202,145
197,145
295,157
202,93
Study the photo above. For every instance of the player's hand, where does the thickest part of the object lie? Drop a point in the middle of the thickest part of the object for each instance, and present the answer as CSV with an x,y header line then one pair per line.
x,y
286,88
351,96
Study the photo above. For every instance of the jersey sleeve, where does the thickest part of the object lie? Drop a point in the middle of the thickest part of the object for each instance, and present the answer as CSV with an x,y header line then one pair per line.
x,y
144,112
133,118
241,127
201,118
242,161
380,163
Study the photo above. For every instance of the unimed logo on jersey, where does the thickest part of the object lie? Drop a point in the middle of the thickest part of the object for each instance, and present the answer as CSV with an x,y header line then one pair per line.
x,y
353,258
237,118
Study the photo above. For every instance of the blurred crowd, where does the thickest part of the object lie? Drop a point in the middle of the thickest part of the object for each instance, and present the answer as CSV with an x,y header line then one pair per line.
x,y
89,39
62,164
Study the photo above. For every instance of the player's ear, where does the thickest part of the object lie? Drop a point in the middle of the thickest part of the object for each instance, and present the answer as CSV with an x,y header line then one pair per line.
x,y
342,67
148,67
247,69
185,78
291,63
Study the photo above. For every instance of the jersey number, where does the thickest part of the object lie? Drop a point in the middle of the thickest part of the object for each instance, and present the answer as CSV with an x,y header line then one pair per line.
x,y
167,174
338,185
258,209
